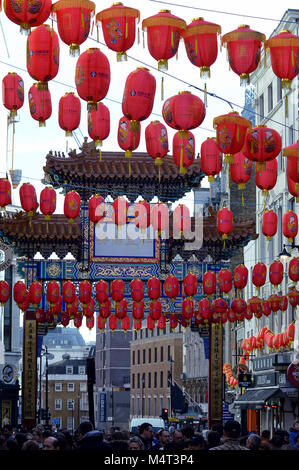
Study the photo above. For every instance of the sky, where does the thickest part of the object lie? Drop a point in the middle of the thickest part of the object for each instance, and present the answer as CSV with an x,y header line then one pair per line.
x,y
32,143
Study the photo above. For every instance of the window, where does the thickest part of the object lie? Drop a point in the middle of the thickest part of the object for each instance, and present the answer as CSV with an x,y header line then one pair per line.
x,y
164,331
161,405
83,387
70,423
58,404
149,406
155,406
156,354
138,406
138,380
161,354
138,356
70,403
143,356
133,405
158,332
279,89
81,370
70,387
146,333
133,358
270,98
133,380
149,356
261,107
161,379
291,135
58,387
149,380
291,204
69,369
155,380
168,352
140,334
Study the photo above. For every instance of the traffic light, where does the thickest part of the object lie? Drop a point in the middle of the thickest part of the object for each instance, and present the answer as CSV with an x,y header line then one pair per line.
x,y
164,414
43,414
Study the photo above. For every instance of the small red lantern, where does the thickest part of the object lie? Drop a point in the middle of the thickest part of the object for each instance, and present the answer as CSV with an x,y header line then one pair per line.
x,y
69,112
35,293
269,223
142,215
173,322
150,324
28,14
181,219
290,225
266,179
224,222
168,29
210,158
72,309
128,139
28,198
204,309
292,154
291,332
4,292
160,217
274,301
43,62
240,171
292,295
262,144
138,310
72,205
171,287
5,193
96,208
292,188
121,309
259,274
137,289
120,208
183,150
276,273
125,323
225,280
248,313
117,290
209,283
183,112
48,202
99,124
156,140
231,316
255,304
190,285
244,51
238,305
240,277
162,322
112,322
219,305
88,311
283,304
53,292
187,308
77,321
105,309
154,288
12,92
231,129
102,291
40,104
284,50
40,315
155,309
294,269
56,306
73,22
84,292
200,39
92,77
65,319
69,292
49,317
137,324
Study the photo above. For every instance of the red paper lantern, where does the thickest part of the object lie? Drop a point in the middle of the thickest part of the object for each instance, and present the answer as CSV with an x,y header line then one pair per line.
x,y
28,199
142,218
248,313
224,222
72,309
231,316
294,269
231,129
160,216
292,188
155,309
162,322
225,280
120,208
255,304
49,317
48,202
276,273
198,318
163,36
156,140
154,288
138,310
150,324
43,61
12,92
92,76
117,290
125,323
183,150
40,315
240,171
121,309
137,289
28,14
40,104
190,285
291,332
56,306
4,292
84,292
183,112
35,293
89,309
266,178
219,305
238,305
292,154
119,25
105,309
216,318
210,158
65,319
69,112
137,324
171,286
128,139
102,291
187,308
53,292
244,51
269,224
240,276
5,193
262,144
139,95
181,219
284,50
99,124
73,22
209,283
283,304
96,208
173,322
200,39
112,322
204,309
259,274
290,225
274,302
69,292
26,303
72,205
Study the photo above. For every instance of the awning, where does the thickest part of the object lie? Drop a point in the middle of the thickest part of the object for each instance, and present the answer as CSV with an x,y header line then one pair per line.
x,y
256,397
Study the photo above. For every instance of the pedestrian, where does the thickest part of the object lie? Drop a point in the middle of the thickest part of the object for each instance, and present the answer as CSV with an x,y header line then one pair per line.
x,y
146,435
135,443
294,433
10,444
277,440
30,445
38,437
218,428
265,445
231,436
195,443
50,443
21,439
90,439
177,437
265,436
212,440
164,438
187,432
253,442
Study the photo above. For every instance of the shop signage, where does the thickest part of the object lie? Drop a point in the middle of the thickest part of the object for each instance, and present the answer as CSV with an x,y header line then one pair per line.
x,y
245,380
29,370
293,373
268,379
215,375
102,407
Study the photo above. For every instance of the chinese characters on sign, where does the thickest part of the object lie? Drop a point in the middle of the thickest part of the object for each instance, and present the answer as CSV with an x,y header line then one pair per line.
x,y
29,370
215,375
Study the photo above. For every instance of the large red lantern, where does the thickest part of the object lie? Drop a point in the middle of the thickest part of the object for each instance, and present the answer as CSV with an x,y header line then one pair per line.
x,y
72,308
204,309
88,311
4,292
294,269
200,39
190,285
283,304
128,139
73,22
231,316
120,208
35,293
92,77
292,188
47,202
154,288
231,129
49,317
240,171
125,323
162,322
121,309
163,36
43,61
292,154
139,95
53,292
183,112
238,305
244,51
225,280
137,289
112,322
171,286
262,144
293,296
117,290
40,104
259,273
137,324
269,224
290,225
255,304
27,13
96,208
40,315
19,292
69,112
156,140
99,124
183,150
69,292
284,51
266,178
65,319
173,322
105,309
248,313
219,305
240,277
84,292
181,219
155,309
28,199
276,273
160,217
138,310
5,193
224,222
72,205
274,301
119,28
56,305
187,308
12,92
142,218
209,283
210,158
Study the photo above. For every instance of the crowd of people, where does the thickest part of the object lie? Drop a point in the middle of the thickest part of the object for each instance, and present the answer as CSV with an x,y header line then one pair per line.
x,y
86,438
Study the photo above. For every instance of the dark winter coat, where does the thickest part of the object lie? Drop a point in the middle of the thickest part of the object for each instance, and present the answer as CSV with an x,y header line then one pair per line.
x,y
293,434
93,440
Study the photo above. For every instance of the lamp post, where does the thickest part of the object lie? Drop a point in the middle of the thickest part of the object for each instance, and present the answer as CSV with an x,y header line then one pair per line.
x,y
171,361
142,395
285,255
47,384
78,407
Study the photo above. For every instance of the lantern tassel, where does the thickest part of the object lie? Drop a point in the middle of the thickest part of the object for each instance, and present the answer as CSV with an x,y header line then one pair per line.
x,y
211,192
138,36
181,159
143,41
286,106
205,95
98,33
265,58
159,173
162,88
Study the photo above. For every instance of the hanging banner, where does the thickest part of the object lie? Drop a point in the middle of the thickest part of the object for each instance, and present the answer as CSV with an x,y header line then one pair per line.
x,y
215,375
29,375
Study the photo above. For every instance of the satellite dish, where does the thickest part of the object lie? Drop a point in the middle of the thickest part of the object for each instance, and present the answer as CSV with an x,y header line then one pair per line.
x,y
66,356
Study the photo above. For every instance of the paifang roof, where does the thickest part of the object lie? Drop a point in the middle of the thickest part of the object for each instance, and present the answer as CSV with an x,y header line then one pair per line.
x,y
90,172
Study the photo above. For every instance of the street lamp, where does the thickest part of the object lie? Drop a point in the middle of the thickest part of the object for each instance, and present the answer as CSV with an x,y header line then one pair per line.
x,y
285,255
47,354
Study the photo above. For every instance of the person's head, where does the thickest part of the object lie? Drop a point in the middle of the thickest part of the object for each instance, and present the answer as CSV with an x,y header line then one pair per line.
x,y
11,444
164,436
277,440
146,431
177,437
46,433
232,429
296,424
187,432
20,438
253,442
30,445
286,437
219,428
50,443
120,445
61,442
84,428
135,443
265,445
265,436
68,437
196,443
7,430
213,438
297,440
36,435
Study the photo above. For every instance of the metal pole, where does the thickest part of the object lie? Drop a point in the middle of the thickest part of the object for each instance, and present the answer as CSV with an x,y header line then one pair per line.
x,y
73,404
47,394
142,393
40,389
112,405
78,408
